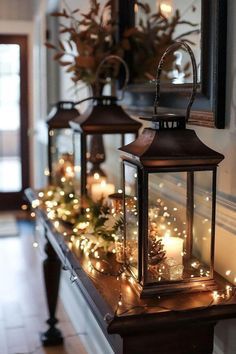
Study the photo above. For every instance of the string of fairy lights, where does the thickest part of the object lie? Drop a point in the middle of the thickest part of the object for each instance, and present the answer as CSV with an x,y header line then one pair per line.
x,y
92,246
224,295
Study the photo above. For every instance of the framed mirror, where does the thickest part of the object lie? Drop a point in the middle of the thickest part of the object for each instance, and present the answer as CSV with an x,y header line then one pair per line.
x,y
202,23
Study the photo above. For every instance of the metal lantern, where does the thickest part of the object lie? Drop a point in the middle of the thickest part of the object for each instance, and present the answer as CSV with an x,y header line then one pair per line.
x,y
169,203
60,142
97,135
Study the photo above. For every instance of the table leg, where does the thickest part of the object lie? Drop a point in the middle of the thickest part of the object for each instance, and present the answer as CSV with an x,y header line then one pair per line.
x,y
51,270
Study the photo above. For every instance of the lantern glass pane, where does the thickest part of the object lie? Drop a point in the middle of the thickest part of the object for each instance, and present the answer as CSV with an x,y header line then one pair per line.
x,y
61,155
202,222
77,163
179,243
104,168
131,217
129,138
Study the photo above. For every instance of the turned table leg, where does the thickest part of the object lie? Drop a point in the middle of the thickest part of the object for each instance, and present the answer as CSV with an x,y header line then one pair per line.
x,y
51,270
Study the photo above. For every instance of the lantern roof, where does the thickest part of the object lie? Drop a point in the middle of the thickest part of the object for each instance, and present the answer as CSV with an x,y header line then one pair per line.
x,y
61,114
105,116
169,144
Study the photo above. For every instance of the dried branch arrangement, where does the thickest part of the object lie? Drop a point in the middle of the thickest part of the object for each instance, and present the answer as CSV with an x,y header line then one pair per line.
x,y
85,40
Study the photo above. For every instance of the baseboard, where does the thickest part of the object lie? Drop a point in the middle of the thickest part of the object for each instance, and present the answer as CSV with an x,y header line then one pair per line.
x,y
82,318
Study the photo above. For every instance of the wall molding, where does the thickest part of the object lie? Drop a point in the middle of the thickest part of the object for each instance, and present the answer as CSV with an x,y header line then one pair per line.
x,y
82,318
225,206
226,213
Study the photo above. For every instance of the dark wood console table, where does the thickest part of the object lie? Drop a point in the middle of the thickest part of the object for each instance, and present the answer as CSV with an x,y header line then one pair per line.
x,y
180,324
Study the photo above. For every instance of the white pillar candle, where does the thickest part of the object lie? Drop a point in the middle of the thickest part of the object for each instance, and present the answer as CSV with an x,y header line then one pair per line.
x,y
101,190
173,247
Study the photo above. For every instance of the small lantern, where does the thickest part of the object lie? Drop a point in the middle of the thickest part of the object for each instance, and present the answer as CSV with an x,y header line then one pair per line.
x,y
169,203
60,142
97,135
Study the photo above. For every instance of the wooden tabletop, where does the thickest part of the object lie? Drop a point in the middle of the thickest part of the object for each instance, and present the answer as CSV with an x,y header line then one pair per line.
x,y
103,291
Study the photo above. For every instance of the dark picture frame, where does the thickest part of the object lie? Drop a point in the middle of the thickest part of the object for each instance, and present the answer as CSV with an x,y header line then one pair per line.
x,y
209,107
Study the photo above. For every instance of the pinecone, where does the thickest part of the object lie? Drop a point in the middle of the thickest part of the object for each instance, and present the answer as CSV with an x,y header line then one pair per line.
x,y
156,254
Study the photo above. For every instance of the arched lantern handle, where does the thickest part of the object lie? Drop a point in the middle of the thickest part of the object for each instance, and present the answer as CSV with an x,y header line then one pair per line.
x,y
65,104
110,58
171,48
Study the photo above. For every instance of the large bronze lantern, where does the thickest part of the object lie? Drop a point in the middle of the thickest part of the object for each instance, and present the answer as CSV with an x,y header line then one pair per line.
x,y
60,142
169,203
98,133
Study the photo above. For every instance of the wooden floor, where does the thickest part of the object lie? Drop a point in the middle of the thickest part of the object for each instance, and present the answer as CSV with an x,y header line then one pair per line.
x,y
22,301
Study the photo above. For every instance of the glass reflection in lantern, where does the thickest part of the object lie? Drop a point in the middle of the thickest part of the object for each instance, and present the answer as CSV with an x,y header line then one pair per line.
x,y
97,135
60,143
116,208
169,202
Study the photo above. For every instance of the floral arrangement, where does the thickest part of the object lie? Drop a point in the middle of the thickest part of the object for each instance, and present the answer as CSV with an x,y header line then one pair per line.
x,y
97,225
90,39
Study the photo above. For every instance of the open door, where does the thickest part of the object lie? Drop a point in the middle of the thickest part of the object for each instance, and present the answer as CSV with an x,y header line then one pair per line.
x,y
14,144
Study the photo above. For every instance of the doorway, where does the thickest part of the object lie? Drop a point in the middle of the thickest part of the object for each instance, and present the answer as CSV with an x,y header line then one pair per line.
x,y
14,144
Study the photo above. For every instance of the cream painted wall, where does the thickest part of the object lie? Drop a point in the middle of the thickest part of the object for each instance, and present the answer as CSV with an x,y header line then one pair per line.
x,y
20,10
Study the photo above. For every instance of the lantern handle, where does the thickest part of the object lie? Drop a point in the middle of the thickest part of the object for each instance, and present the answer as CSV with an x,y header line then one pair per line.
x,y
122,61
171,48
101,98
62,104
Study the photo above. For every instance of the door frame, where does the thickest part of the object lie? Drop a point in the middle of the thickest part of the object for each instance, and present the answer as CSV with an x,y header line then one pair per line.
x,y
13,200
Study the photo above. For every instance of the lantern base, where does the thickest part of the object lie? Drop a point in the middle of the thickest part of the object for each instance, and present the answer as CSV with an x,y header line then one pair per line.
x,y
174,287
